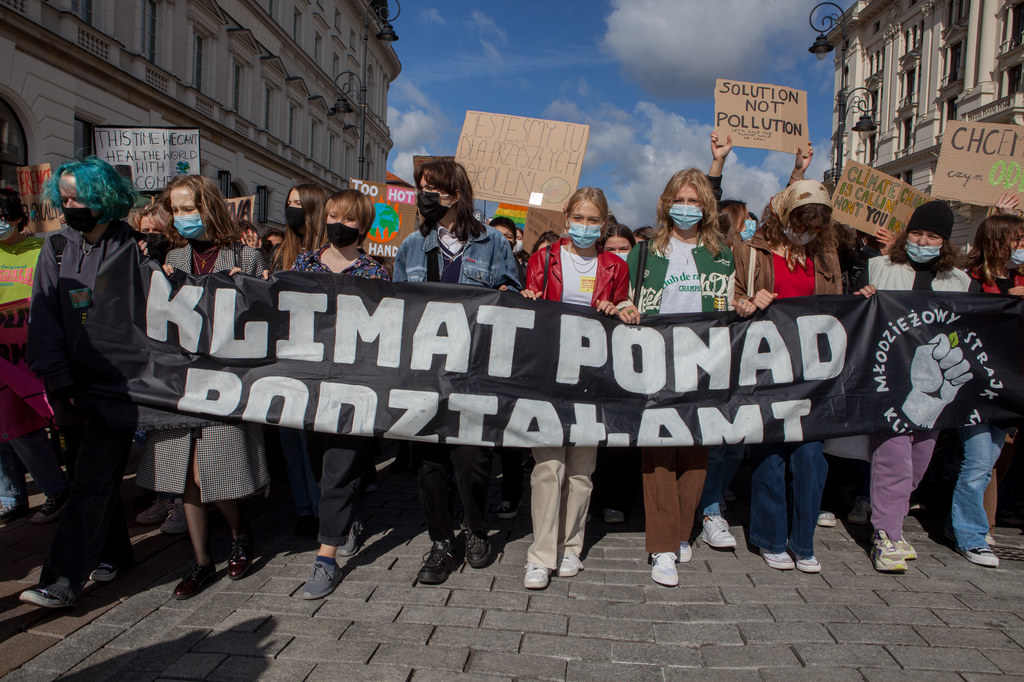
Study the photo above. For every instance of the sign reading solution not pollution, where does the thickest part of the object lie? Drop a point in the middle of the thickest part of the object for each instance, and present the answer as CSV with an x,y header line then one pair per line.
x,y
151,157
760,115
867,199
980,161
529,161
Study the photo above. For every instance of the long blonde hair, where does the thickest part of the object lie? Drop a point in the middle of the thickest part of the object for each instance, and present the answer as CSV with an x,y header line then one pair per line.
x,y
708,231
591,194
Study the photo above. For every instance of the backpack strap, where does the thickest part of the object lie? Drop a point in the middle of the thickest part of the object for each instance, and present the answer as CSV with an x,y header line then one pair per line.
x,y
641,267
433,269
547,269
58,241
751,266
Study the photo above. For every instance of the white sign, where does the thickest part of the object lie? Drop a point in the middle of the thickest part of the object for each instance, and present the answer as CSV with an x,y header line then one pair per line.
x,y
150,156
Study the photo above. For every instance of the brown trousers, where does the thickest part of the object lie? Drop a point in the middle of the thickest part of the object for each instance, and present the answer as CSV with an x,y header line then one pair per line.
x,y
673,483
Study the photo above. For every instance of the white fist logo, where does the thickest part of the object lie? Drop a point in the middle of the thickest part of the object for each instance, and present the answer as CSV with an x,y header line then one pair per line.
x,y
936,374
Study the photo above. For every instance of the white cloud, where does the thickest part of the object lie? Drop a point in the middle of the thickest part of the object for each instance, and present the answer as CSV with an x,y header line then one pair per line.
x,y
431,16
640,150
677,48
417,127
487,27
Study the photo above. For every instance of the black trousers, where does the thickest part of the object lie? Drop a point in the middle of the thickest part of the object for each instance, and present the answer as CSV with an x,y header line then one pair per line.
x,y
616,479
92,528
343,460
472,469
511,474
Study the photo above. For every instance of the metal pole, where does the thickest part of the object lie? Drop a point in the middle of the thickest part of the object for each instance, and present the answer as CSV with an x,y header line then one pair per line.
x,y
362,95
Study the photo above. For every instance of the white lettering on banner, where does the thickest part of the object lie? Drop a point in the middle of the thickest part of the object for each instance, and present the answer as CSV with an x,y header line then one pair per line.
x,y
383,326
810,328
652,375
253,343
776,359
690,352
427,340
573,354
505,322
211,392
362,399
587,430
524,414
301,307
791,412
162,310
716,429
471,409
266,390
419,408
655,420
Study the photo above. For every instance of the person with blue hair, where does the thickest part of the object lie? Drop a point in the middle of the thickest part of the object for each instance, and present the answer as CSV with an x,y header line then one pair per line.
x,y
92,539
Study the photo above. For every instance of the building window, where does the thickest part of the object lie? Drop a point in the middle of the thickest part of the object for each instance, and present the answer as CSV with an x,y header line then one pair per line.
x,y
318,44
908,133
1013,84
13,146
149,29
1017,25
291,125
331,141
908,177
236,86
951,109
83,9
312,139
270,8
335,61
337,20
955,55
266,107
296,25
197,62
83,139
872,148
876,28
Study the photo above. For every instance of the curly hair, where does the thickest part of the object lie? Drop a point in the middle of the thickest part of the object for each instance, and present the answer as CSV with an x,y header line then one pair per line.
x,y
945,262
815,217
708,229
97,186
220,228
994,242
11,208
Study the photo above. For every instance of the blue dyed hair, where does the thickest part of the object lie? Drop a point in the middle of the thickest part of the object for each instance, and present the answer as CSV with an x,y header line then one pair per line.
x,y
98,185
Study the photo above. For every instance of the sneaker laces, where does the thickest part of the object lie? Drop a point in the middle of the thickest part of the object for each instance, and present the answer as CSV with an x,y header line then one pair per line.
x,y
319,573
475,541
238,547
439,555
573,560
194,571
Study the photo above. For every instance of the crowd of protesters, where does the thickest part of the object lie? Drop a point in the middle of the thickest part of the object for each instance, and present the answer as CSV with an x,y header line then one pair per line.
x,y
702,254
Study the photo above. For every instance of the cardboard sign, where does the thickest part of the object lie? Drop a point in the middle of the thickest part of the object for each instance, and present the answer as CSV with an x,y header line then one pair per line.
x,y
42,215
979,161
539,221
151,157
761,116
526,161
395,217
240,208
516,214
867,199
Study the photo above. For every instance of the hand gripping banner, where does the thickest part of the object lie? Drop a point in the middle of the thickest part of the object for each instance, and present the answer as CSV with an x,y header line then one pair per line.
x,y
460,365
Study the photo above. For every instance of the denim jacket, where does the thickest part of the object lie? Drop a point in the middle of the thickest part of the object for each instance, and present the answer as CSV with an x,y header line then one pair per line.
x,y
487,260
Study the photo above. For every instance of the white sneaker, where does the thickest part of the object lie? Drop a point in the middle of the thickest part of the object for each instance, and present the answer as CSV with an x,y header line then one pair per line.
x,y
537,577
663,569
826,519
781,561
716,533
685,552
569,566
175,523
614,516
989,540
808,564
981,556
859,512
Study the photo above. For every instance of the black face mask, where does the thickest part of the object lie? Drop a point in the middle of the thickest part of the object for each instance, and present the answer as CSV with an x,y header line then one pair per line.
x,y
80,219
430,207
295,217
341,235
157,245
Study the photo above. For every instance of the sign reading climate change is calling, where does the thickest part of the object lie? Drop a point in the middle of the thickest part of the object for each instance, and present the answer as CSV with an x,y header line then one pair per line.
x,y
867,199
394,219
151,157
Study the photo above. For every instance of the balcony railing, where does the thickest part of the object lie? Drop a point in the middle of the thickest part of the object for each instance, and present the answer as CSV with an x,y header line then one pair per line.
x,y
908,101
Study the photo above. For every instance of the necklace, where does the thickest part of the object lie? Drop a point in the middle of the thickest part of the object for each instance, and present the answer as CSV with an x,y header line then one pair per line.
x,y
202,262
588,264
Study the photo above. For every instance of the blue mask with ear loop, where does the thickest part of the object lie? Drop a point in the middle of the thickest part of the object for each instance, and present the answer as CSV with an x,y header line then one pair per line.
x,y
749,228
1016,258
6,230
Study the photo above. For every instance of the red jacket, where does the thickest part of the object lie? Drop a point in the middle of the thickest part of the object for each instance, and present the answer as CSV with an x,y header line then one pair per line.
x,y
1018,280
612,275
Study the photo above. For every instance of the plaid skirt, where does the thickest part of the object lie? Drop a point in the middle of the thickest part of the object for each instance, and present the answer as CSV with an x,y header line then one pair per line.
x,y
232,461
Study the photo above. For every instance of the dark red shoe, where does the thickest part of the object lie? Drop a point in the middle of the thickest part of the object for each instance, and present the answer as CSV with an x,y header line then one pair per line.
x,y
196,578
241,556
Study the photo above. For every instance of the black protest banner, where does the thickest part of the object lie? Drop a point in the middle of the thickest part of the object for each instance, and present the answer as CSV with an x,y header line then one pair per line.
x,y
452,364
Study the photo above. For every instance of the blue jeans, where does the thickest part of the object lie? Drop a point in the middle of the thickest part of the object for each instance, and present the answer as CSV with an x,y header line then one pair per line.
x,y
304,486
982,444
32,453
723,461
779,511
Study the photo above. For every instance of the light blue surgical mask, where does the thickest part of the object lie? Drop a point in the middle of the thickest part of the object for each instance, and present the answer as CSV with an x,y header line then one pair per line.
x,y
922,254
799,238
685,216
6,230
749,228
190,226
1016,258
584,236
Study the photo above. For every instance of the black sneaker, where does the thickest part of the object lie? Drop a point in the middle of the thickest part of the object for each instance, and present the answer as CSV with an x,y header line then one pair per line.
x,y
438,564
51,509
478,548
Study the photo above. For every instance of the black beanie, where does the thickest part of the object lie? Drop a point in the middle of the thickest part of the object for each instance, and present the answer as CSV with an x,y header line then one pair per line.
x,y
935,216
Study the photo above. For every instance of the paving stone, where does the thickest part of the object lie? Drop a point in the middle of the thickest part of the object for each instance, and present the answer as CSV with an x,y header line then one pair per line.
x,y
718,613
557,587
683,595
67,653
157,657
886,675
874,633
842,655
193,666
770,594
274,604
561,646
446,676
956,587
608,628
892,614
476,638
267,645
608,593
648,653
814,613
608,671
1009,661
312,649
979,619
446,658
549,603
216,610
413,633
428,594
549,623
363,672
940,658
749,656
328,628
966,638
920,599
515,665
695,633
784,633
813,675
509,601
441,615
987,602
246,668
22,647
148,631
350,609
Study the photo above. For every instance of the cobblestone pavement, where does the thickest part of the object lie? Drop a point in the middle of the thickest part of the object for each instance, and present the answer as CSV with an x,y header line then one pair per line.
x,y
731,617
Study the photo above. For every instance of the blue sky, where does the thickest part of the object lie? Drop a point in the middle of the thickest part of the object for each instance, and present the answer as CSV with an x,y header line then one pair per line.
x,y
641,73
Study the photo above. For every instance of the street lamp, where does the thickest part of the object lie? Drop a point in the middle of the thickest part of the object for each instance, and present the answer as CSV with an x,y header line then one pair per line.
x,y
821,47
378,11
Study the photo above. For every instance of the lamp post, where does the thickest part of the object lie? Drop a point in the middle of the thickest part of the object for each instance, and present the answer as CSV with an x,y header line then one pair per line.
x,y
820,49
376,11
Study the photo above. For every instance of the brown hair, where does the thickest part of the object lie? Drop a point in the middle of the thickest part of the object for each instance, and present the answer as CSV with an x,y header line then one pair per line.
x,y
353,204
616,230
642,234
708,231
994,243
945,262
220,228
450,177
313,199
731,216
817,217
155,211
544,239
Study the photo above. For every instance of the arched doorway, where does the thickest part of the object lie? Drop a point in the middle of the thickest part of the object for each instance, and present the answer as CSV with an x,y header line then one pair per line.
x,y
13,146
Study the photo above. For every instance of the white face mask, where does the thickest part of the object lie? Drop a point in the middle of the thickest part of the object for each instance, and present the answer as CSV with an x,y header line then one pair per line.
x,y
622,255
799,238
